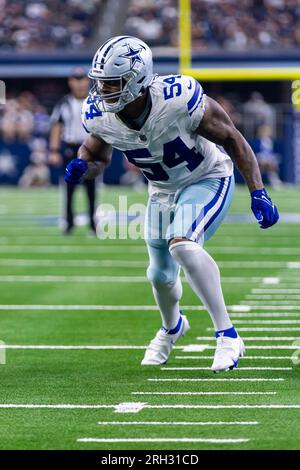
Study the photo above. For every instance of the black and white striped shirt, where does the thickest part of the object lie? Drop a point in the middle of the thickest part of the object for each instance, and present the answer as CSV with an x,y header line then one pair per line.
x,y
68,113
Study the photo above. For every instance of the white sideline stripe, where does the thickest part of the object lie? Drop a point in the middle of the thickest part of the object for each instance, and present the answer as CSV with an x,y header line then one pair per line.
x,y
243,358
217,380
267,322
271,280
194,348
257,338
221,407
55,407
85,307
257,250
178,423
74,263
127,279
100,278
91,249
129,347
47,346
203,393
234,308
263,329
108,263
203,407
275,291
97,307
165,439
129,407
277,346
274,304
60,248
248,308
272,296
264,315
239,369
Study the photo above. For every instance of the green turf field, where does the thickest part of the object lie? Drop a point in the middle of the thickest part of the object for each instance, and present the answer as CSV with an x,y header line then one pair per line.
x,y
87,304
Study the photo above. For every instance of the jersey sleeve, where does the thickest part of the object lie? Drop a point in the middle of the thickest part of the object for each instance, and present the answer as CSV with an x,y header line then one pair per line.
x,y
193,101
90,116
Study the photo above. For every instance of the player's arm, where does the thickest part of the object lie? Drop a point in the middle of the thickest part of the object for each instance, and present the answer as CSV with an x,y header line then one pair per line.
x,y
96,153
93,156
217,127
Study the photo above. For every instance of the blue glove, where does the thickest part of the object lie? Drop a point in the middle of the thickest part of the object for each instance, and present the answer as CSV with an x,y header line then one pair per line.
x,y
75,171
263,208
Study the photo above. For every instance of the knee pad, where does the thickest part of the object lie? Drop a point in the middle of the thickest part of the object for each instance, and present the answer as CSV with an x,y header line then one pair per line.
x,y
159,277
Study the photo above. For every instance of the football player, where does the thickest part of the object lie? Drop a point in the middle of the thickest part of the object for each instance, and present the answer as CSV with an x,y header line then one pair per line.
x,y
185,144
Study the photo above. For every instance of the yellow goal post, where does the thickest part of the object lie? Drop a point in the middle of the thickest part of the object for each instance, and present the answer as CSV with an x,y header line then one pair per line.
x,y
221,73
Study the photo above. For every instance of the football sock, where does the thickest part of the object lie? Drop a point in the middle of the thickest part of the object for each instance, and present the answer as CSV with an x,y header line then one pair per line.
x,y
175,330
230,333
203,275
167,297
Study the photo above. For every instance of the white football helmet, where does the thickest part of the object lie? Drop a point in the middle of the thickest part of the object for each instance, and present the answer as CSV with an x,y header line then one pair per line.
x,y
126,62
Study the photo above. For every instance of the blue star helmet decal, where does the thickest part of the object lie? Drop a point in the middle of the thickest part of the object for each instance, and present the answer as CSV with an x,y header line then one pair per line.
x,y
133,55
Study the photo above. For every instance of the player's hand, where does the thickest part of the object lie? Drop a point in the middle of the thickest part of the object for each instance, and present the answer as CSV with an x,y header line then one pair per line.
x,y
263,208
75,171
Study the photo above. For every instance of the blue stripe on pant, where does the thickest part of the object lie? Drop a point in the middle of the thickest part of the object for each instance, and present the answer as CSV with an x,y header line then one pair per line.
x,y
201,208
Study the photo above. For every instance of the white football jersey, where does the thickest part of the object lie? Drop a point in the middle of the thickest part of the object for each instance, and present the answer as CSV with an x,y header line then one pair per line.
x,y
167,148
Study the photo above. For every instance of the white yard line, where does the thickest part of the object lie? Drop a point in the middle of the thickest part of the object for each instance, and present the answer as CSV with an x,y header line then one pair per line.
x,y
61,347
260,297
141,248
265,315
275,291
54,407
268,358
203,393
221,407
251,306
234,308
242,369
84,249
178,423
101,278
47,278
86,263
267,322
277,346
216,380
270,329
256,250
271,304
257,338
129,347
164,439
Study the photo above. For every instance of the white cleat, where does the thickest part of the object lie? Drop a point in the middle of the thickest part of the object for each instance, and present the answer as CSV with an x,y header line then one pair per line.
x,y
160,347
227,354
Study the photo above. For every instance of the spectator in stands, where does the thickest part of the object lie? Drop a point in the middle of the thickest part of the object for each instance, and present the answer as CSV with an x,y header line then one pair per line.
x,y
224,24
37,173
47,24
17,121
258,112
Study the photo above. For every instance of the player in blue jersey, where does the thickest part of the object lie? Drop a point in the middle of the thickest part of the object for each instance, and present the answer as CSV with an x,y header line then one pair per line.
x,y
170,129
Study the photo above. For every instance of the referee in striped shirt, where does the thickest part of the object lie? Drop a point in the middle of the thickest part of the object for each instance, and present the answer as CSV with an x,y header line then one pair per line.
x,y
66,136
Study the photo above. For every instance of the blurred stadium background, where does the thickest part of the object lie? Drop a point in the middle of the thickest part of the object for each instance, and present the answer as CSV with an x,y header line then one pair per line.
x,y
66,301
246,54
